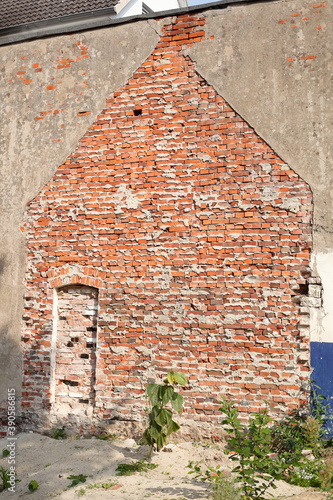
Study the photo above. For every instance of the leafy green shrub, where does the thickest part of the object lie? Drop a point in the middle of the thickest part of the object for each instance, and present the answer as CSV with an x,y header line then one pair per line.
x,y
295,432
289,434
5,452
266,451
256,469
161,423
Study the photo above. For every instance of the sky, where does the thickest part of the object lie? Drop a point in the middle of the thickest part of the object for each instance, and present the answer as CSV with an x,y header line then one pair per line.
x,y
199,2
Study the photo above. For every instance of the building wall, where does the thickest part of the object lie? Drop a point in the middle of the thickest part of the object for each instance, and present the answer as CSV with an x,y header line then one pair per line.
x,y
53,90
201,237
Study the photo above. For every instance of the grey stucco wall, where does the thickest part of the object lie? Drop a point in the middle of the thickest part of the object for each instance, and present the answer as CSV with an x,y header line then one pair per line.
x,y
272,62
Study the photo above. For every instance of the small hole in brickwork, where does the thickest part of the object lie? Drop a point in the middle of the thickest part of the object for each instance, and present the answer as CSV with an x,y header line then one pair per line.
x,y
84,356
91,329
75,339
303,289
90,344
69,344
137,112
70,382
84,401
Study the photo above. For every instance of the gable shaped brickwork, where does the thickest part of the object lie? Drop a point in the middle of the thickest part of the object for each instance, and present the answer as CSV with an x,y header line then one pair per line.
x,y
197,236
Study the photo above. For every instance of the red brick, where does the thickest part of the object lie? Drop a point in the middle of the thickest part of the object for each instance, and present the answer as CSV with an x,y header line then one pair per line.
x,y
192,264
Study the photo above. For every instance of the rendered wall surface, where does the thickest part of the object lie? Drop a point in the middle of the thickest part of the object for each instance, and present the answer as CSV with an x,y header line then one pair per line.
x,y
271,62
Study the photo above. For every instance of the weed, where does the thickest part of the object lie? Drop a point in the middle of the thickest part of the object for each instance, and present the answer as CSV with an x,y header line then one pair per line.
x,y
5,479
226,488
307,473
58,433
47,465
326,474
107,437
129,469
5,452
288,434
320,409
161,423
212,474
256,470
80,478
33,485
312,434
105,485
103,437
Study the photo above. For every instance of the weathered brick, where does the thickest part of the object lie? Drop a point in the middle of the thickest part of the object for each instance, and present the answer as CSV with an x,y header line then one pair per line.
x,y
174,209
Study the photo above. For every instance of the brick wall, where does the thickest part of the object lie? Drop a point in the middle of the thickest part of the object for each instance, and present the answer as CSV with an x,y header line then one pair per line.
x,y
197,237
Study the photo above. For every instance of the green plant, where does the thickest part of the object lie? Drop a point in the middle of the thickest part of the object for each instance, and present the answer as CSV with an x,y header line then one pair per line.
x,y
105,485
211,474
265,452
226,488
312,434
59,433
307,473
288,434
102,485
80,478
326,474
5,479
33,485
296,431
129,469
320,408
107,437
5,452
161,423
257,469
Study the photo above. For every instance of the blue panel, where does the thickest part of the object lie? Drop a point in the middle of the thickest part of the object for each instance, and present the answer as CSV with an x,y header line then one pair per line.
x,y
322,375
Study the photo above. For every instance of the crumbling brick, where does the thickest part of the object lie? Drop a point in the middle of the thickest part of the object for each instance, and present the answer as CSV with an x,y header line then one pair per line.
x,y
196,235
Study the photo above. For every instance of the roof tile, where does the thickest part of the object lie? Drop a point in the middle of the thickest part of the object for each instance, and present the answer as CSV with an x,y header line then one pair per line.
x,y
18,12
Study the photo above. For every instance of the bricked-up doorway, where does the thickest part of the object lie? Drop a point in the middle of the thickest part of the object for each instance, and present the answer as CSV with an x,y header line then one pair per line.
x,y
74,350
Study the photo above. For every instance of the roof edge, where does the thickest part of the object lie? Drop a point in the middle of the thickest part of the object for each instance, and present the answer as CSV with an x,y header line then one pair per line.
x,y
99,19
